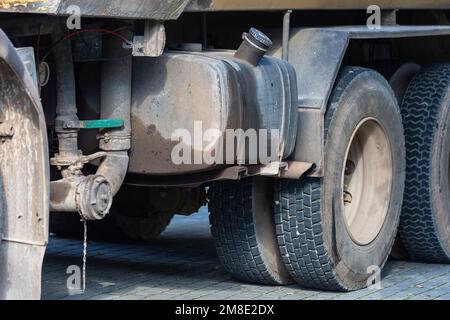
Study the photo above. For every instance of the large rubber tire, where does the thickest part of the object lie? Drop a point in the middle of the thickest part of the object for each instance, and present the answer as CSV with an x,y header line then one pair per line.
x,y
243,226
425,221
313,234
399,79
130,219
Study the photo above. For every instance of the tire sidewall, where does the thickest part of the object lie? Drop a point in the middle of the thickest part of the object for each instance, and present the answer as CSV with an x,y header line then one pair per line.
x,y
367,95
265,231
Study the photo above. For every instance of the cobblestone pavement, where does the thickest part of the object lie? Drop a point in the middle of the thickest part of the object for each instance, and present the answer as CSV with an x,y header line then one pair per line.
x,y
182,264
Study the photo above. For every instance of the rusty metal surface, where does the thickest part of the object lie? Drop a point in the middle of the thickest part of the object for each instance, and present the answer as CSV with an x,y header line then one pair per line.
x,y
32,6
152,43
148,9
196,93
24,179
188,180
170,93
241,5
291,170
137,9
172,9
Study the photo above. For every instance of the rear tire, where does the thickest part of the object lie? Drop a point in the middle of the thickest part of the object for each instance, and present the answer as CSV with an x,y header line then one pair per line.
x,y
425,221
242,223
333,231
399,81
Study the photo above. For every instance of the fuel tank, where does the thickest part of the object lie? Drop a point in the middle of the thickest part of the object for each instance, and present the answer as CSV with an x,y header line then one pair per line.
x,y
189,105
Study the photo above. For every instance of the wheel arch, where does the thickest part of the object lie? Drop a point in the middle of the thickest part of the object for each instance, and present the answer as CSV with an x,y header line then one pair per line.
x,y
318,55
24,213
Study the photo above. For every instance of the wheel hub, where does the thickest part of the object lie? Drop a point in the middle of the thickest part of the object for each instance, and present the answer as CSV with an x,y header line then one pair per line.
x,y
367,181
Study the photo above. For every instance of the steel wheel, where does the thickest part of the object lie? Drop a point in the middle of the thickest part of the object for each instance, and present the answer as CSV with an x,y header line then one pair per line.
x,y
367,181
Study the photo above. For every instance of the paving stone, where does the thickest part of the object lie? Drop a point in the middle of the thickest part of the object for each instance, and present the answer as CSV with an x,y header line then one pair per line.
x,y
182,264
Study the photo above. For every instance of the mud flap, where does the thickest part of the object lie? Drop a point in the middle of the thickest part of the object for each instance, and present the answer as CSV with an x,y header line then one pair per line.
x,y
24,179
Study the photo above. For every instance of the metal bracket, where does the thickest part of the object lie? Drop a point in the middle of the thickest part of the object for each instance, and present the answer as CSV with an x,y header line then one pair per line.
x,y
75,165
152,43
293,170
27,56
81,160
272,169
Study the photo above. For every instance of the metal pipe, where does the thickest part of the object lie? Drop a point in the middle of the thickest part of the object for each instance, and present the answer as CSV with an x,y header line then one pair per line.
x,y
92,196
116,104
66,109
286,34
116,96
114,168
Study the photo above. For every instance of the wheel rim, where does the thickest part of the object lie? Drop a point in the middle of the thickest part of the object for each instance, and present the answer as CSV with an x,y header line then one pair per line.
x,y
367,181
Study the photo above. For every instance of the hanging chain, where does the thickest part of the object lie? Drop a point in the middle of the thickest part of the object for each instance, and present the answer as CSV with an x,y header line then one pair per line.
x,y
84,255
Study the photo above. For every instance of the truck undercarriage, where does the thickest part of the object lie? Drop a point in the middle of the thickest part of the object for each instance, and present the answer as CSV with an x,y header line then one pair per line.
x,y
313,138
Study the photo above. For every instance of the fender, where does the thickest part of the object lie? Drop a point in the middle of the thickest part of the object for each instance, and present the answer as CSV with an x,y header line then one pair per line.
x,y
317,54
24,179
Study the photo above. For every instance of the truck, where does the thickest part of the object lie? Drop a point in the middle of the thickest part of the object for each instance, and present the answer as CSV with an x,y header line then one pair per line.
x,y
317,132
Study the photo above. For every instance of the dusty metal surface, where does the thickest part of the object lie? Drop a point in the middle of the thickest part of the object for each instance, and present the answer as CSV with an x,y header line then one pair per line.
x,y
240,5
152,43
170,93
287,170
24,179
317,55
148,9
180,98
172,9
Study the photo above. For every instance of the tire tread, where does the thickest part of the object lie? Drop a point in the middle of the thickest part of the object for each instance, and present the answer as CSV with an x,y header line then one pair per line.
x,y
421,108
234,230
